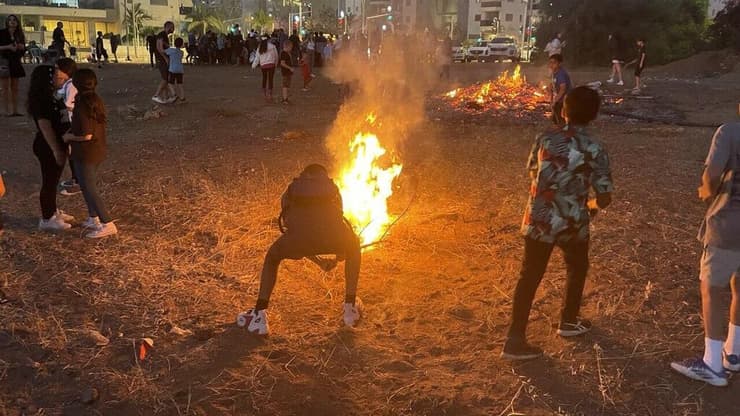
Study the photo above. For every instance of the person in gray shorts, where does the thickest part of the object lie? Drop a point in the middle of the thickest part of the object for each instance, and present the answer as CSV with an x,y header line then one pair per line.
x,y
720,262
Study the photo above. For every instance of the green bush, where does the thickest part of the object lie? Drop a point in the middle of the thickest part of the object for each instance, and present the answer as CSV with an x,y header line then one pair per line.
x,y
725,31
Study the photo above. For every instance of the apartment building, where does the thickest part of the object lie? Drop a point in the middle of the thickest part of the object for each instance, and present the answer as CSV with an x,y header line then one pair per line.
x,y
503,17
82,19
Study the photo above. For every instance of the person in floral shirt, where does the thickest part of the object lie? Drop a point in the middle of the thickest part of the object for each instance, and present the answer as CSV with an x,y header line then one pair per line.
x,y
565,164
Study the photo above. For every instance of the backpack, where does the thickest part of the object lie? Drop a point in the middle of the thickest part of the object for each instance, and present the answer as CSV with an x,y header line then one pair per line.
x,y
310,201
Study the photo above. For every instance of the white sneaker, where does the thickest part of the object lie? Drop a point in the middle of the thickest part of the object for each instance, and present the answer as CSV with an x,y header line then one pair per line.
x,y
64,216
170,100
91,223
255,321
353,313
159,100
731,362
620,83
53,224
103,230
610,81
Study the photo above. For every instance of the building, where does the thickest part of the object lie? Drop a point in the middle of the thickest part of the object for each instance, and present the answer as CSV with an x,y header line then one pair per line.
x,y
82,19
488,18
715,6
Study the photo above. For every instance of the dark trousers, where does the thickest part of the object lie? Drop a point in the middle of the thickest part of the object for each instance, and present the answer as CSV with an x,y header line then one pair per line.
x,y
151,58
50,174
87,176
557,116
344,243
536,256
268,78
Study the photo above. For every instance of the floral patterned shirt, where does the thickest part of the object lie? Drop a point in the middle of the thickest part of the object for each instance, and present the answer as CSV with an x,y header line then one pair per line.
x,y
565,165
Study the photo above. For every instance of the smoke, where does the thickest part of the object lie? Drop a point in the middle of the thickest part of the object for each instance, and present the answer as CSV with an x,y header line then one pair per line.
x,y
392,87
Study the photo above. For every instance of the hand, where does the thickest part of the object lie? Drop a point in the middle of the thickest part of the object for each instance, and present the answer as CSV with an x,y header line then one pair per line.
x,y
593,207
704,193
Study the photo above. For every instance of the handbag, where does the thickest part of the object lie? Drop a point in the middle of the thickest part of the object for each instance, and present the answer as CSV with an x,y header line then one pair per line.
x,y
4,67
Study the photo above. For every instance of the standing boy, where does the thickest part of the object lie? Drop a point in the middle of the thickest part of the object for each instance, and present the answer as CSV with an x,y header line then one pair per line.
x,y
163,95
312,213
176,69
720,262
565,164
639,63
559,87
286,68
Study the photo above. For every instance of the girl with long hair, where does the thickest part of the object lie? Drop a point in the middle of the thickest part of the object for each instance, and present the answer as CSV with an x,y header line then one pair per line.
x,y
48,145
267,59
12,48
87,137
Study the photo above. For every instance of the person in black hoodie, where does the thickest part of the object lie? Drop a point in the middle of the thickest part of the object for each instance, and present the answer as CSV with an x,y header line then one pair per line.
x,y
313,222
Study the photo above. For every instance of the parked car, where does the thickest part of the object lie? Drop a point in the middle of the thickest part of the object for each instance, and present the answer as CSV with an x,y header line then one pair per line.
x,y
504,47
459,54
478,52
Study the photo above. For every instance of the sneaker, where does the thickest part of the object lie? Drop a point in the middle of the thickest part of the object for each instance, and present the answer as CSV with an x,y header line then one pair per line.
x,y
91,223
69,187
170,100
620,83
731,362
697,369
573,329
103,230
305,89
519,350
64,216
610,81
353,312
254,321
158,100
53,224
313,75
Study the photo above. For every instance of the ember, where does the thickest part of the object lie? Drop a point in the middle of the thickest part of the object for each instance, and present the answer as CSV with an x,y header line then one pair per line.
x,y
366,185
510,94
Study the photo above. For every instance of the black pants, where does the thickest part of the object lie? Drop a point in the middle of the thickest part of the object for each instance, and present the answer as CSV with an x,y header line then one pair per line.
x,y
536,256
151,58
557,114
268,78
343,243
50,174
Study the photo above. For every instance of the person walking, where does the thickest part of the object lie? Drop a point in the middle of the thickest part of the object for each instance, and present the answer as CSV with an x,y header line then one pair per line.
x,y
151,46
177,70
100,53
164,95
286,69
616,51
88,140
266,59
12,48
555,46
115,40
565,165
48,146
720,262
58,40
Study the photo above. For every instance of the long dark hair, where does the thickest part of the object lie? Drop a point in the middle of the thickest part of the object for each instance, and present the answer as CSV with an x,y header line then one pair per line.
x,y
263,45
41,90
18,35
85,81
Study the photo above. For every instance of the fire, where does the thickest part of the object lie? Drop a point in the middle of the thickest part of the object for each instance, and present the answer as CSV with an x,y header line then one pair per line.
x,y
509,93
366,185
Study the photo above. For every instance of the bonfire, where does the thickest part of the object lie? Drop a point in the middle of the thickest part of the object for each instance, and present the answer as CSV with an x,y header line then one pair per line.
x,y
508,94
366,182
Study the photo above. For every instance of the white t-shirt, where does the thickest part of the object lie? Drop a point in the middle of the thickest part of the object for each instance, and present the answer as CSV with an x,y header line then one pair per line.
x,y
175,55
67,93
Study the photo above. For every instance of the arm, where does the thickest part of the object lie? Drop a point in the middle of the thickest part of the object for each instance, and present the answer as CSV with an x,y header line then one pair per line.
x,y
51,139
642,59
561,93
533,161
285,65
601,180
69,137
715,165
160,50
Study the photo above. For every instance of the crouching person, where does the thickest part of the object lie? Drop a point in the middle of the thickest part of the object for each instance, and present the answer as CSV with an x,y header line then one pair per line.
x,y
314,225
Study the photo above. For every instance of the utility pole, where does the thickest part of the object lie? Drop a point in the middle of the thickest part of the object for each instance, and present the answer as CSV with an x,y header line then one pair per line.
x,y
524,26
128,37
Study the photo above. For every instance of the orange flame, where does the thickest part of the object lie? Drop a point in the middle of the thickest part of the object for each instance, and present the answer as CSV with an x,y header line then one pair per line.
x,y
366,185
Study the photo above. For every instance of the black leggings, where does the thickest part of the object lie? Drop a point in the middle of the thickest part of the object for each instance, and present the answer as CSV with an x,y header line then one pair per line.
x,y
268,78
50,174
343,243
536,256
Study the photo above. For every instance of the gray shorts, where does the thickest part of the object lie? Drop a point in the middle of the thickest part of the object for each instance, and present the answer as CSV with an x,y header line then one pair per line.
x,y
719,266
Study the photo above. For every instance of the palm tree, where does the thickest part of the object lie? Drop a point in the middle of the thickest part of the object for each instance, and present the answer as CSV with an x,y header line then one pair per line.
x,y
137,15
204,19
262,20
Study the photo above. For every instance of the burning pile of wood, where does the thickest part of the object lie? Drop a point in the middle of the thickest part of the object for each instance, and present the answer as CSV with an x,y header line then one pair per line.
x,y
508,95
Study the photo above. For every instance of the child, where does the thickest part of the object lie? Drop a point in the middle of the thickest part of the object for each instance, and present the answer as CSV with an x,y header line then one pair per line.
x,y
176,69
312,213
65,69
560,86
639,62
88,140
286,68
565,164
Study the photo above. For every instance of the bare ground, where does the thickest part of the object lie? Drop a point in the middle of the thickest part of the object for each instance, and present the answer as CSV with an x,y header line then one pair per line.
x,y
195,195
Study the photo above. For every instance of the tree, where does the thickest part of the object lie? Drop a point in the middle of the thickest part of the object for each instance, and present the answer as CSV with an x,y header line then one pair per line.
x,y
262,20
203,19
135,14
325,20
725,31
673,28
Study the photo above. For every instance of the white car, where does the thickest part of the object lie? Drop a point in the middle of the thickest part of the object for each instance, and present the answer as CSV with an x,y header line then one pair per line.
x,y
504,47
458,54
478,52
